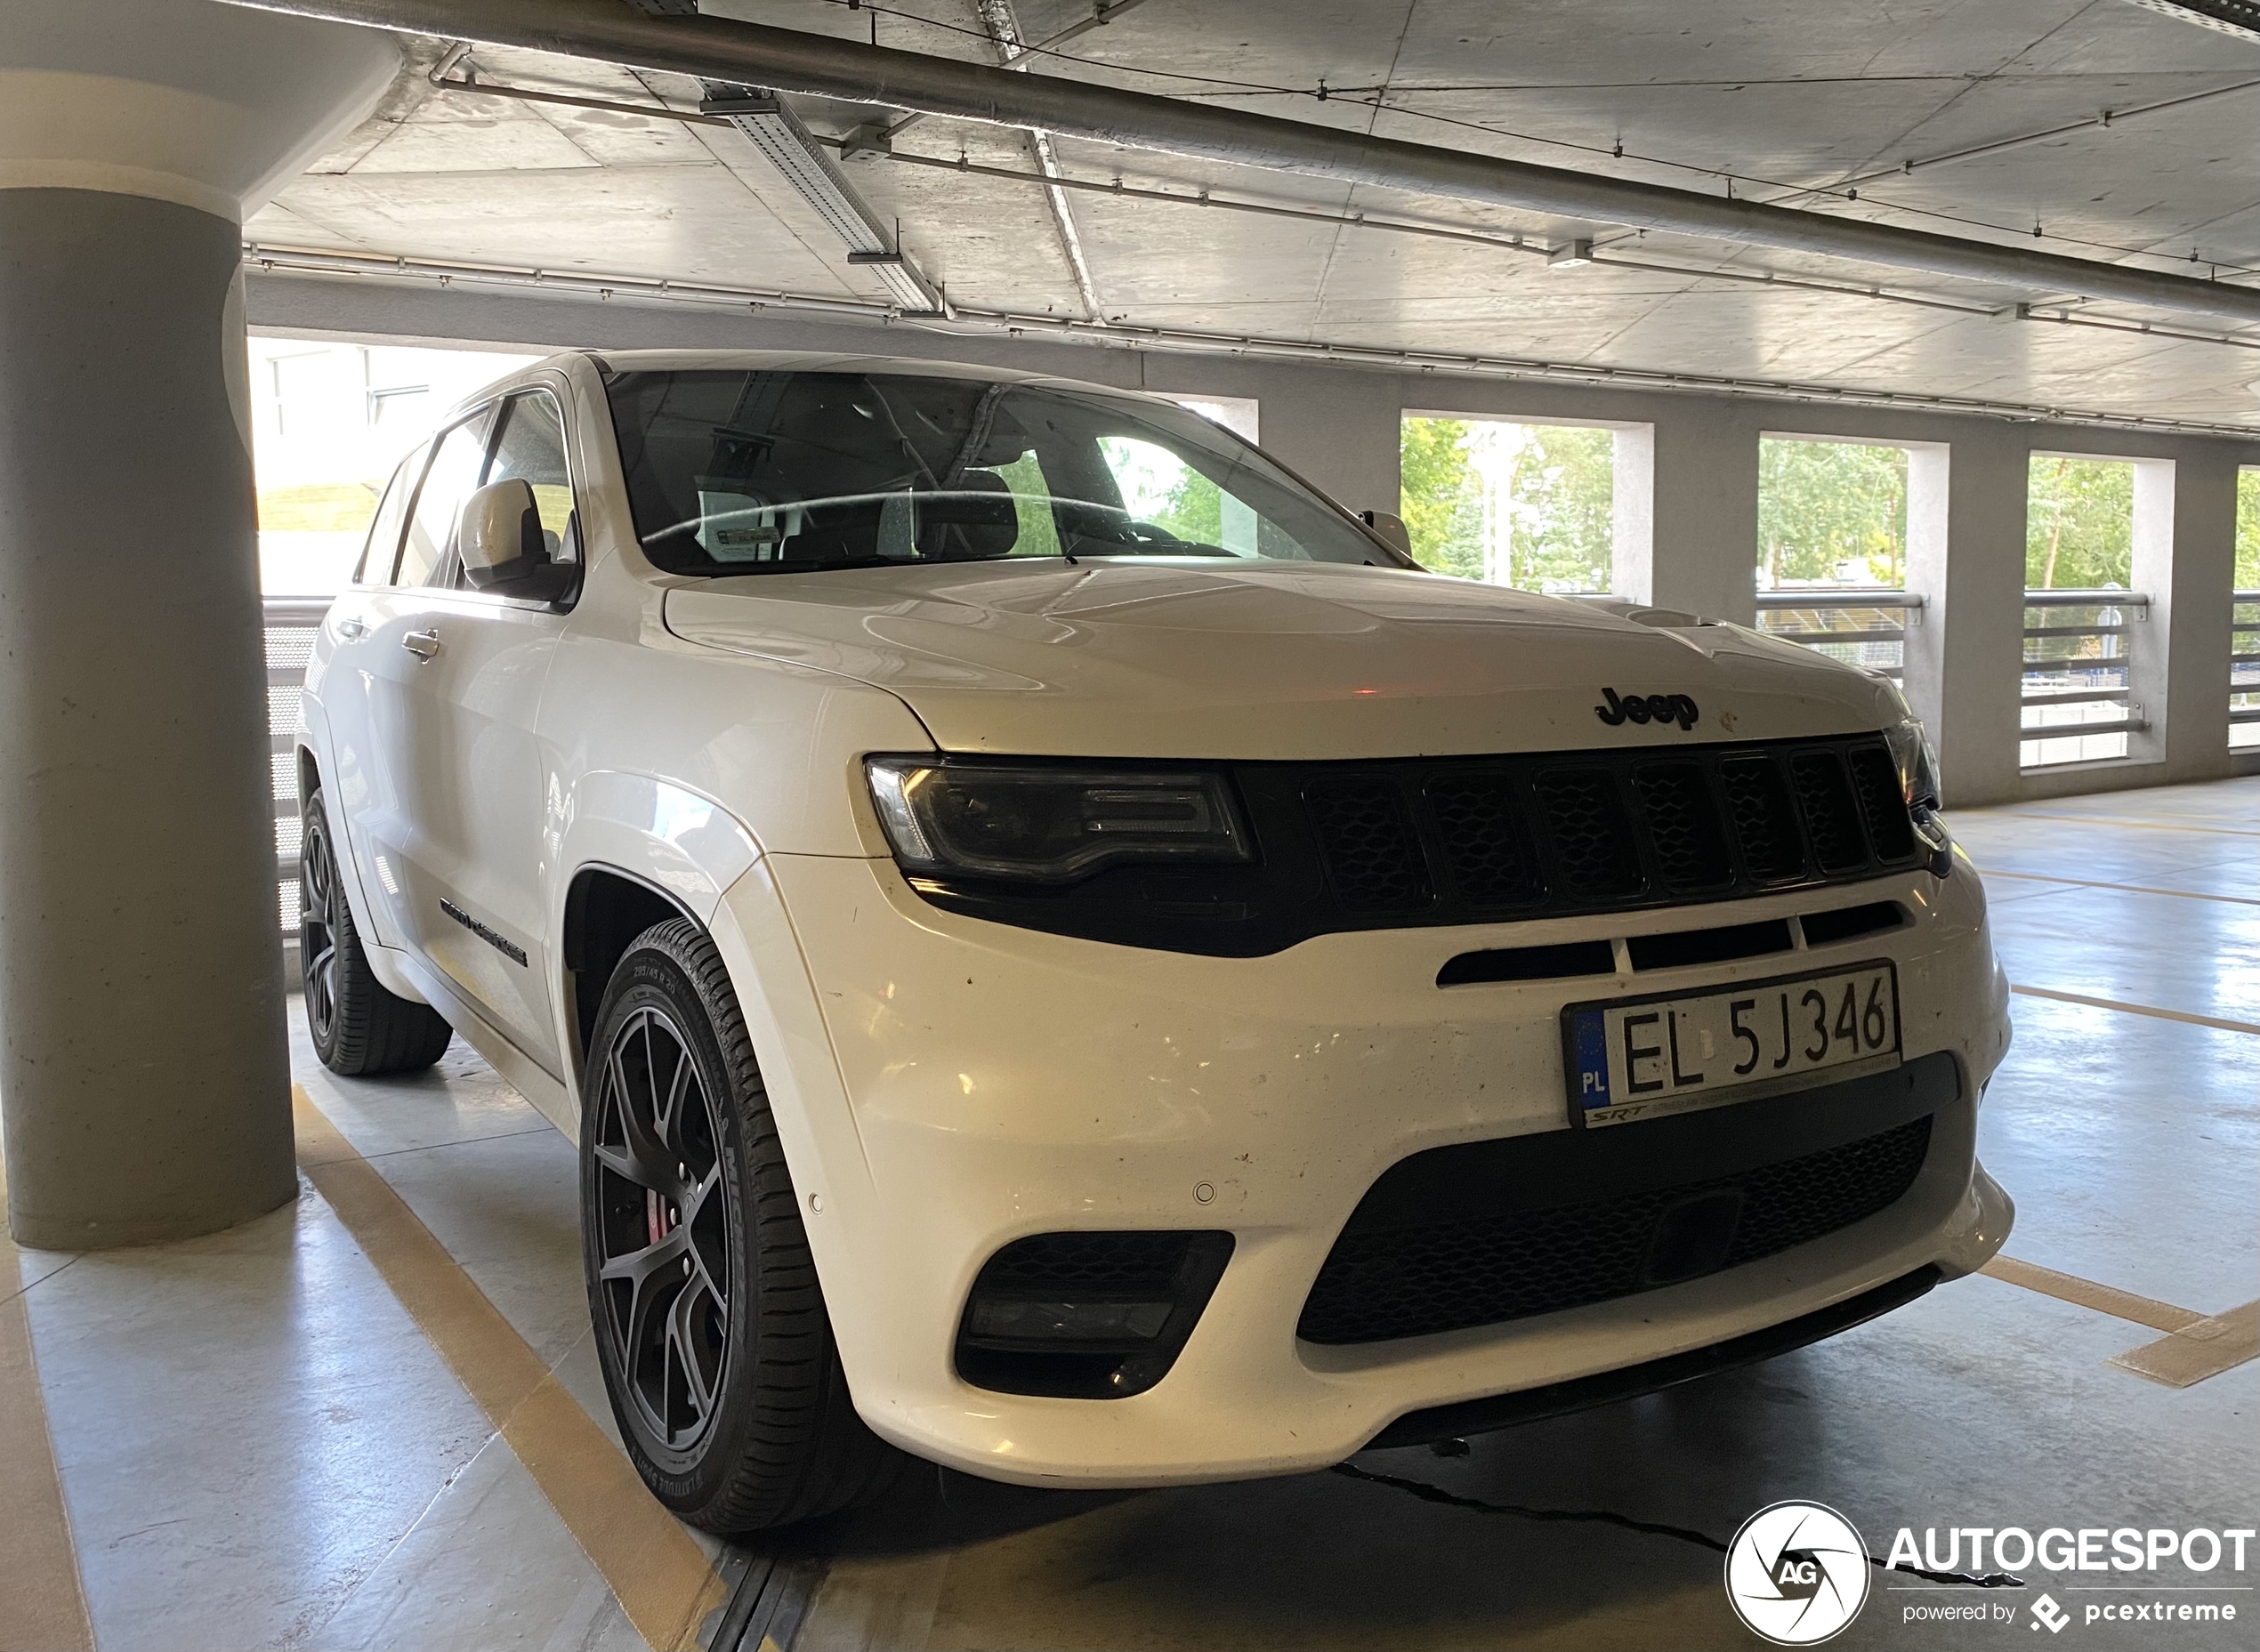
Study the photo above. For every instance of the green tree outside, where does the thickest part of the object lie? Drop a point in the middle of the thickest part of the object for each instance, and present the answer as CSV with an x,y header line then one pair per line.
x,y
2079,523
1832,511
1442,496
1527,505
2248,530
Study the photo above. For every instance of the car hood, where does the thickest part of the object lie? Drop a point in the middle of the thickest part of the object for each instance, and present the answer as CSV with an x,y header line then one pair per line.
x,y
1252,660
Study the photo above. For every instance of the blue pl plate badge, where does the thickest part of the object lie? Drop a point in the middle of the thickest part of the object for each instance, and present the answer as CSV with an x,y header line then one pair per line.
x,y
1590,1037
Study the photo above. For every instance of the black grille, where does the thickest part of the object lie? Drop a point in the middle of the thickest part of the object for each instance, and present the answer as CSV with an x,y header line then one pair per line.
x,y
1883,803
1590,832
1765,822
1370,853
1497,1231
1831,818
1492,859
1394,844
1685,825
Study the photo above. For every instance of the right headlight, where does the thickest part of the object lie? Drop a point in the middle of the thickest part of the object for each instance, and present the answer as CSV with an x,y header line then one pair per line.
x,y
1050,822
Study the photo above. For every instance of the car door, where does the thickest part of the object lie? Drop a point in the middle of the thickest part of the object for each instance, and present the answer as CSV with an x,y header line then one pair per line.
x,y
354,781
406,796
473,668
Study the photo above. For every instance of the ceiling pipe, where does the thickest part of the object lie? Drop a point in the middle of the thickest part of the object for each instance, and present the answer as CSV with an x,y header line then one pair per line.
x,y
791,60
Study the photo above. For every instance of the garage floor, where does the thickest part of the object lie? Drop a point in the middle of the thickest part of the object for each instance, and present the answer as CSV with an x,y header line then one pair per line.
x,y
374,1419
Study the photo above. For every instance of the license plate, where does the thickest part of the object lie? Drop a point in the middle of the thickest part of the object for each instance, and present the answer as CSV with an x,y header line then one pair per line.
x,y
1630,1058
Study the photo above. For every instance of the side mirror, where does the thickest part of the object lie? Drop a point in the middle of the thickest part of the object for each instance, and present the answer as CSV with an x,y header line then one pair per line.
x,y
1389,530
504,548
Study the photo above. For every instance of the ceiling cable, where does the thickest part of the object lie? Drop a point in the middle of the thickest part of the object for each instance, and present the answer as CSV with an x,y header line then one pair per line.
x,y
1498,242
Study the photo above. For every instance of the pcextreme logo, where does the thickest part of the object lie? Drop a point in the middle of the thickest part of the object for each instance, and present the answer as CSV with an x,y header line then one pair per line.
x,y
1797,1573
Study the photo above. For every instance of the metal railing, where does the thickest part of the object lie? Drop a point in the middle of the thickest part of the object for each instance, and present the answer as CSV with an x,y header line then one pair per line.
x,y
1863,625
2078,682
291,625
2244,669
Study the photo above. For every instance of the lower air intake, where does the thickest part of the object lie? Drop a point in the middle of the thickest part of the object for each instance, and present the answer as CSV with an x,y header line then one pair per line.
x,y
1087,1316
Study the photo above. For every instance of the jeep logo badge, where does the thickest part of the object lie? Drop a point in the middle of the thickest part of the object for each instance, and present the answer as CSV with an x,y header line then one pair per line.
x,y
1647,708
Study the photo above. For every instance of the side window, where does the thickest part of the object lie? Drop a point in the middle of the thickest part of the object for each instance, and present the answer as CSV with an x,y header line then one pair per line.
x,y
530,445
383,542
432,525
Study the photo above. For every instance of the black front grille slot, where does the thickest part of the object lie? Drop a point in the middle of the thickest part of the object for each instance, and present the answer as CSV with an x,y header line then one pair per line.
x,y
1831,816
1684,826
1591,831
1478,824
1372,857
1883,801
1765,822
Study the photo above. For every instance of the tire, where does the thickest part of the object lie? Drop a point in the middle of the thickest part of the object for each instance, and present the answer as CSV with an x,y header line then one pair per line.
x,y
717,1352
359,1028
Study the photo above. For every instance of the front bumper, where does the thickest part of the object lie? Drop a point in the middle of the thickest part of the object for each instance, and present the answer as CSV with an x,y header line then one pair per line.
x,y
946,1085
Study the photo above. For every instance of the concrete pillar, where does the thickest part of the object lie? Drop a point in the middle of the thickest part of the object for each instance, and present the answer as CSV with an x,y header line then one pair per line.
x,y
1343,432
2186,564
144,1087
1692,543
1965,658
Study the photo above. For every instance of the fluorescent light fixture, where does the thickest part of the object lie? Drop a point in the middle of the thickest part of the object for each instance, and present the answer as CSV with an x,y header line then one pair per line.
x,y
817,179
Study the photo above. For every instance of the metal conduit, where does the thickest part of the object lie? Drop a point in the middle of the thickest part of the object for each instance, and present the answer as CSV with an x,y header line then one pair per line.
x,y
789,60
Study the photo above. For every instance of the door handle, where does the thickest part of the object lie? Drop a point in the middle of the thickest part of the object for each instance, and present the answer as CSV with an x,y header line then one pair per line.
x,y
423,644
351,629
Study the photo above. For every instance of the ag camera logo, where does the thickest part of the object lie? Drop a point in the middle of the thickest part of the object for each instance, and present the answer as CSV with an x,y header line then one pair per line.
x,y
1797,1573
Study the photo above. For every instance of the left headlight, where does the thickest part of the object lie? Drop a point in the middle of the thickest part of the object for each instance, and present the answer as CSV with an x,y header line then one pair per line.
x,y
1911,751
1917,764
1050,823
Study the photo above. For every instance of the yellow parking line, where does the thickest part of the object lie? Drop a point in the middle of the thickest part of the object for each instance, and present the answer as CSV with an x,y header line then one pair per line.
x,y
42,1605
2130,820
2086,1293
2130,889
2197,1352
2225,1024
660,1576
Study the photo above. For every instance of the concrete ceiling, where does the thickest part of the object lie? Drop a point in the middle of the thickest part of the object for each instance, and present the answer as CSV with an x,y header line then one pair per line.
x,y
1768,97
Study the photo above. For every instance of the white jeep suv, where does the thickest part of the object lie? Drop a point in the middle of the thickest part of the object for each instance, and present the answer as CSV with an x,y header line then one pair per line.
x,y
1066,954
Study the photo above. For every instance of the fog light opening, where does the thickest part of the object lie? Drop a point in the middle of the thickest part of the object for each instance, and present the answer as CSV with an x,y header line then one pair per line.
x,y
1087,1316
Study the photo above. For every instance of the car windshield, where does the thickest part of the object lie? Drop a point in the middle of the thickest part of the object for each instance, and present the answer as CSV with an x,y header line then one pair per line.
x,y
750,473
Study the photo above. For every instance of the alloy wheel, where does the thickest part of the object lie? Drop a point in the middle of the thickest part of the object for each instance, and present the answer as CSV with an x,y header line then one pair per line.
x,y
663,1228
318,897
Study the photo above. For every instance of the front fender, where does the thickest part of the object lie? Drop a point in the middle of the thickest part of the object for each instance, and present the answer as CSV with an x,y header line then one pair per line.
x,y
676,840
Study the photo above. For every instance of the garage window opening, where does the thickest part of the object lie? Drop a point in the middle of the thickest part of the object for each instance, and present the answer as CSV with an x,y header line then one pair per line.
x,y
1529,506
1832,548
329,423
2082,622
2244,620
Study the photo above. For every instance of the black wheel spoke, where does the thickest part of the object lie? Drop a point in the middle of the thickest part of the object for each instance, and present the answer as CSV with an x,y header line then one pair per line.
x,y
641,1156
318,898
699,1366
